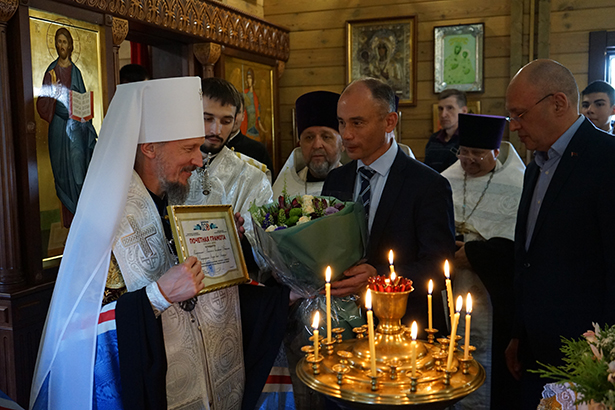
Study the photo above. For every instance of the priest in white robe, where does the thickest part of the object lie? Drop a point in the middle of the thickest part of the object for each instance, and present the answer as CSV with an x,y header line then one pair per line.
x,y
149,144
486,182
320,146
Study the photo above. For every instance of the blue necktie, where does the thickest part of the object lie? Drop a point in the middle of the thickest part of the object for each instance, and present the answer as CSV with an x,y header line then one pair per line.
x,y
365,192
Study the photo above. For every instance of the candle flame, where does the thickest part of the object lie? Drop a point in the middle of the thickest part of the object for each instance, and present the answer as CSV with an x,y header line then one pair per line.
x,y
391,257
414,330
393,276
430,287
368,300
328,274
316,321
446,270
469,304
459,304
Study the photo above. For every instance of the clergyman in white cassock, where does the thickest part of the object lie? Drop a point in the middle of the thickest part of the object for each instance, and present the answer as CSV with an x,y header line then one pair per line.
x,y
486,182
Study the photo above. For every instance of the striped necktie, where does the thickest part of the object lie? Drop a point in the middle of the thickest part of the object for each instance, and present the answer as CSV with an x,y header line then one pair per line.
x,y
365,193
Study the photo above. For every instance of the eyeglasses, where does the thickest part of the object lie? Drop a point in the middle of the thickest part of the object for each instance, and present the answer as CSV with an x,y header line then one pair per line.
x,y
518,117
466,155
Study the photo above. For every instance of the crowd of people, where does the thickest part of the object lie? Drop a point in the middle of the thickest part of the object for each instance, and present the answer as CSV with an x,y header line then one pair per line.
x,y
128,327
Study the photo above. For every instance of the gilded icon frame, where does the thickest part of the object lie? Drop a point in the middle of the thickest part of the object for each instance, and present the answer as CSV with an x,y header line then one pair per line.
x,y
384,49
459,57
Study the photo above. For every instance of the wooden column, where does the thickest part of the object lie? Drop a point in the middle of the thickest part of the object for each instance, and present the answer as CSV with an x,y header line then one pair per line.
x,y
119,29
207,54
11,274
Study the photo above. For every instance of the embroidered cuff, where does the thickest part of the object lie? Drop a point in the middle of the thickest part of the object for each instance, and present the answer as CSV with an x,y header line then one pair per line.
x,y
158,301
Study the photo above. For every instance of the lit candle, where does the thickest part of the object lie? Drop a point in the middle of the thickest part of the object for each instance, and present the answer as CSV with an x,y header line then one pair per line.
x,y
466,347
315,324
328,294
370,330
451,344
429,311
391,267
413,332
449,290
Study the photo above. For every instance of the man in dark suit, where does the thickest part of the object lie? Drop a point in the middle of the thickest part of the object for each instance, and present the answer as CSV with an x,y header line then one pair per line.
x,y
410,207
565,233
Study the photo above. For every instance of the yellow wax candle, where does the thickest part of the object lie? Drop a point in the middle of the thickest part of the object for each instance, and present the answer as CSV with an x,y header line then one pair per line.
x,y
449,291
328,295
466,347
451,346
315,324
429,309
370,331
413,332
391,267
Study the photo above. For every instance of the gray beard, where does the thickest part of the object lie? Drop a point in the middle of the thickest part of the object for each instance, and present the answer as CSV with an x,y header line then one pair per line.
x,y
176,192
320,171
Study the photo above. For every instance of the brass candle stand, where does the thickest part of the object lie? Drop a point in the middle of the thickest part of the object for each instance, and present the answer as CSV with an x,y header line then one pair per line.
x,y
344,375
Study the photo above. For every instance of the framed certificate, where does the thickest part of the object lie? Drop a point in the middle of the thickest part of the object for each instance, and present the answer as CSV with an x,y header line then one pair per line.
x,y
208,232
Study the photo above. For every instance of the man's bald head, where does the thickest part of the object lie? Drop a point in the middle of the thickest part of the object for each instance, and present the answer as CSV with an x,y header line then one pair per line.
x,y
542,99
546,76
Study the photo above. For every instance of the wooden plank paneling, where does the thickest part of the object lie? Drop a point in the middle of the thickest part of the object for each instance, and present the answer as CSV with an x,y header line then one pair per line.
x,y
318,52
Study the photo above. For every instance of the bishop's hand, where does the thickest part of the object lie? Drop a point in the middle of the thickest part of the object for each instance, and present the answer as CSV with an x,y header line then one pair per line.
x,y
183,281
239,221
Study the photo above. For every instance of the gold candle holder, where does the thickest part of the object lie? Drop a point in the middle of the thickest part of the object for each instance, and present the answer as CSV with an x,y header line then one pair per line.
x,y
338,333
329,345
315,362
431,335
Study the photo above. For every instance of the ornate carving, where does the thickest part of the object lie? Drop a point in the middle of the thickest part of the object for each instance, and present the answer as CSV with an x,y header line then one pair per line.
x,y
211,21
281,66
7,9
207,53
120,30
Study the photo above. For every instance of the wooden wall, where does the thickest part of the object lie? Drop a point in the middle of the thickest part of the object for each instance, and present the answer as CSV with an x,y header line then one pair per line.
x,y
318,46
318,49
571,22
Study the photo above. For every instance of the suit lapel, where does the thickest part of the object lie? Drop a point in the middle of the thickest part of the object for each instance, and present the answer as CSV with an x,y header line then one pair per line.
x,y
529,184
569,159
388,198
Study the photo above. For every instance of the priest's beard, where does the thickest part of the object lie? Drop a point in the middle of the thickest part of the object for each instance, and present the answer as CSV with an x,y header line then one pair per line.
x,y
176,192
214,151
320,170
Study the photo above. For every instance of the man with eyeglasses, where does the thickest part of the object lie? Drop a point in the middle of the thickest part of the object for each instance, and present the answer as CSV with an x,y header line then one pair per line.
x,y
564,238
486,183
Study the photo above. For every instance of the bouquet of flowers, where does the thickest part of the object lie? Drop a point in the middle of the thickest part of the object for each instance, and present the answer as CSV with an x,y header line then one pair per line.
x,y
589,366
299,236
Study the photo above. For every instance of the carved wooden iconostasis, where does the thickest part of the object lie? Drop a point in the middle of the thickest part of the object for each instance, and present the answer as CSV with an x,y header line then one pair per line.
x,y
37,177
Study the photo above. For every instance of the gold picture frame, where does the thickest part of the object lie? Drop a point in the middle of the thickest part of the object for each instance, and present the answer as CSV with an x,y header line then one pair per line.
x,y
473,108
208,232
385,49
87,58
256,83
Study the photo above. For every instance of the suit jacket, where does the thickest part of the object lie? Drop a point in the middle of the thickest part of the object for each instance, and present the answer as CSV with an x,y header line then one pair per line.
x,y
415,219
566,279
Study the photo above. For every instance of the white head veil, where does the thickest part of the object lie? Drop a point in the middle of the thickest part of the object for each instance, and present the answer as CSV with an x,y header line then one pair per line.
x,y
150,111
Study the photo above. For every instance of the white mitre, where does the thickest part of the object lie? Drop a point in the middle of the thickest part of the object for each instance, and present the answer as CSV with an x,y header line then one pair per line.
x,y
150,111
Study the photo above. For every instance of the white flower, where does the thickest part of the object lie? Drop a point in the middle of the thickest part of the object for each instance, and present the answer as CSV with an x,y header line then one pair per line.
x,y
308,204
304,219
271,228
307,209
